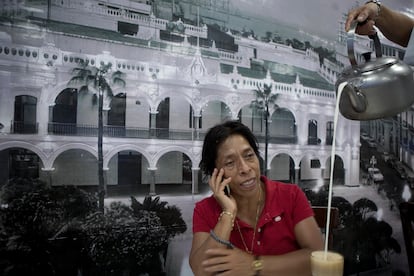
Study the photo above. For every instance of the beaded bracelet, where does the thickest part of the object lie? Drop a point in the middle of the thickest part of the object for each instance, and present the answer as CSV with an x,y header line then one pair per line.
x,y
219,240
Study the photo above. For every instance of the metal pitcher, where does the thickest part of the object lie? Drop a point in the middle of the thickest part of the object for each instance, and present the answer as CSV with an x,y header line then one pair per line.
x,y
377,88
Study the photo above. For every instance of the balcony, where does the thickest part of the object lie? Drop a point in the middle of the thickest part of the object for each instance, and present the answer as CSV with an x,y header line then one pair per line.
x,y
313,140
66,129
19,127
123,132
277,139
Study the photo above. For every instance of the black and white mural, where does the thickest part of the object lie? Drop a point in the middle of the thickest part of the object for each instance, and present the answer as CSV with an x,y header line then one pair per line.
x,y
104,105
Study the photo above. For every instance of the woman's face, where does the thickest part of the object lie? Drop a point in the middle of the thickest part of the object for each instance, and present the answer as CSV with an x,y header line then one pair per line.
x,y
239,161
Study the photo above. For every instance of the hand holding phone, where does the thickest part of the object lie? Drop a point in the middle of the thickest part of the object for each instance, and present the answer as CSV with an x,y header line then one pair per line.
x,y
220,184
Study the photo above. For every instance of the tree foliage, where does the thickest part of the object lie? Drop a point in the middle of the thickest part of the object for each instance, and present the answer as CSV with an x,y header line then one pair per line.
x,y
93,79
170,216
60,231
120,240
36,220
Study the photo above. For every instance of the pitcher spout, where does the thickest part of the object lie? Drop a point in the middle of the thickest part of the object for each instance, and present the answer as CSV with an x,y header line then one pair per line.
x,y
356,98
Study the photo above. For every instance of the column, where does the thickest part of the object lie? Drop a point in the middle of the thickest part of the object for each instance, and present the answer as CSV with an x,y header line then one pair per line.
x,y
296,180
322,131
302,130
194,175
153,120
152,181
105,177
196,121
323,173
48,175
42,114
6,111
352,171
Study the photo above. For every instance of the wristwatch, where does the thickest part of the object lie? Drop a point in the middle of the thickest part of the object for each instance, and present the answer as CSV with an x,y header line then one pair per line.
x,y
378,3
257,265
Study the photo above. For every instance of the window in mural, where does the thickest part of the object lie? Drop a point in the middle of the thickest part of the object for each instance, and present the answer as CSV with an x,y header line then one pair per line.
x,y
329,133
313,132
25,108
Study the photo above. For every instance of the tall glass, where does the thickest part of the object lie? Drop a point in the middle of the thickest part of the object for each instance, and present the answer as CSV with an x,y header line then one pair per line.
x,y
327,263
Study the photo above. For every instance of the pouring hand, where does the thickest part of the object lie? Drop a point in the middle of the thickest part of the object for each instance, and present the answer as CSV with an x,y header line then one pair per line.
x,y
217,185
365,15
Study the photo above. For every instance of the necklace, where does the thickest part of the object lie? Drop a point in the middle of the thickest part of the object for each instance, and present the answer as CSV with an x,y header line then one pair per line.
x,y
255,225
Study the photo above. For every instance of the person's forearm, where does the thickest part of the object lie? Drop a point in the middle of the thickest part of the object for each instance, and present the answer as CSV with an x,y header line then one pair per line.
x,y
296,263
222,231
394,25
199,256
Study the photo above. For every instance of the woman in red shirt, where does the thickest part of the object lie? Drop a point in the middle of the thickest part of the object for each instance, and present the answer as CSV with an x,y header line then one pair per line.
x,y
257,227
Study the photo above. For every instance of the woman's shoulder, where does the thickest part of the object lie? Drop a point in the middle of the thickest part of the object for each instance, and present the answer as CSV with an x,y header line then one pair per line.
x,y
207,203
283,192
273,185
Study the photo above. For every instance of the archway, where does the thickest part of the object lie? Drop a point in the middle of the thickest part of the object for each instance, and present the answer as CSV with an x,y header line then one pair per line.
x,y
64,112
76,167
173,174
126,174
282,168
19,162
339,170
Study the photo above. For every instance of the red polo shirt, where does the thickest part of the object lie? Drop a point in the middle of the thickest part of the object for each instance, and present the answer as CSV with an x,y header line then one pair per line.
x,y
285,206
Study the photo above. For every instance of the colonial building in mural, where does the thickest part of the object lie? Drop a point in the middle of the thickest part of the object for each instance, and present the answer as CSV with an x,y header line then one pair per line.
x,y
185,71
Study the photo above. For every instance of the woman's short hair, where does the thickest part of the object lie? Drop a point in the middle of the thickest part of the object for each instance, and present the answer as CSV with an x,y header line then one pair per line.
x,y
216,135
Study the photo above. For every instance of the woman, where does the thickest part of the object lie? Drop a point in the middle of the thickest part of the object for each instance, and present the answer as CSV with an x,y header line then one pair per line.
x,y
261,227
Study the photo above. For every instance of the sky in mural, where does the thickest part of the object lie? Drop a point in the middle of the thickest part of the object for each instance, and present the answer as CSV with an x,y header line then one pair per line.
x,y
317,17
317,21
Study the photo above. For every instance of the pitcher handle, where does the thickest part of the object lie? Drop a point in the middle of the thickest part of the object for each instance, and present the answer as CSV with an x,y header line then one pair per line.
x,y
350,43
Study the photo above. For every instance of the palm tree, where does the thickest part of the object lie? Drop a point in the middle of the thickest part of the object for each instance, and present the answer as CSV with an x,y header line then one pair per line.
x,y
170,216
264,99
171,220
97,80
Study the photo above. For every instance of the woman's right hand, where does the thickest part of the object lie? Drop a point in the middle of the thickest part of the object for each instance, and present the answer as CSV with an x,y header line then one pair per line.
x,y
217,185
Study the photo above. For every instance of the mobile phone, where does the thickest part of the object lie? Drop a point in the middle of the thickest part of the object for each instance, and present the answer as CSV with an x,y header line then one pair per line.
x,y
227,190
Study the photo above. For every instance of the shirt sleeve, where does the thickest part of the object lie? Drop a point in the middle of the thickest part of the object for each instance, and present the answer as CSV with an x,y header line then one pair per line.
x,y
205,216
301,206
199,225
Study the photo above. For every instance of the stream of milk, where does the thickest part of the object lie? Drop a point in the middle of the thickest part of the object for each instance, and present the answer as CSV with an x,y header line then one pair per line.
x,y
328,216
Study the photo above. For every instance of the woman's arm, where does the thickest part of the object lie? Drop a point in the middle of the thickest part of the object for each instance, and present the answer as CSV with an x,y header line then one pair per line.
x,y
395,26
203,241
296,263
221,232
